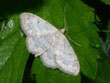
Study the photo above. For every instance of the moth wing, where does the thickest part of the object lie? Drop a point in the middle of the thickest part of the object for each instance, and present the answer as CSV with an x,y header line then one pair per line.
x,y
33,25
66,58
43,46
48,58
38,44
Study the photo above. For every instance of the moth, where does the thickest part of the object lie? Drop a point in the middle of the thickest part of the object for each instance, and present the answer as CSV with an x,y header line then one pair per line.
x,y
44,40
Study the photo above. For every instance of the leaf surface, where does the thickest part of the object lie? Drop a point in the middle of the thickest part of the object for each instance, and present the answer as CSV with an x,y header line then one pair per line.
x,y
13,53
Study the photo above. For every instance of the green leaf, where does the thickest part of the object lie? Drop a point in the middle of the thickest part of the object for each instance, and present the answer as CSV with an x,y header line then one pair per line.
x,y
106,1
13,53
103,75
79,25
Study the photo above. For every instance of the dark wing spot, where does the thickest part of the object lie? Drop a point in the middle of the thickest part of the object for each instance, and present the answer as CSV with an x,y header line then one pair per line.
x,y
38,22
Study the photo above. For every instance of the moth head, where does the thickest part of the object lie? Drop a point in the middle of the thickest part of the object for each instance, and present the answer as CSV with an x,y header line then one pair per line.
x,y
63,30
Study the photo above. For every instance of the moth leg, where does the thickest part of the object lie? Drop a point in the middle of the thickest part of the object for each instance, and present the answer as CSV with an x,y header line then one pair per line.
x,y
73,41
47,47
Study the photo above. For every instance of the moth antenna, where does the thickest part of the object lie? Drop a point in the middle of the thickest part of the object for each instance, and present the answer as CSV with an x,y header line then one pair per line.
x,y
73,41
65,23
